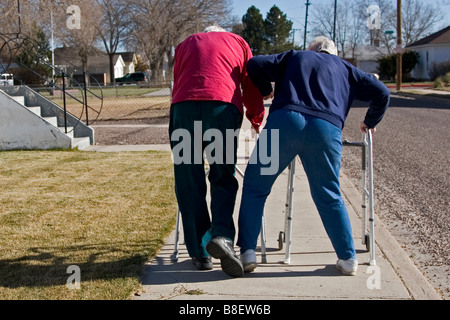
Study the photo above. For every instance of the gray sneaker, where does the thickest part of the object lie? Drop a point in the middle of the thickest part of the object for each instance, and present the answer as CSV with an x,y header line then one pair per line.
x,y
347,267
222,248
248,258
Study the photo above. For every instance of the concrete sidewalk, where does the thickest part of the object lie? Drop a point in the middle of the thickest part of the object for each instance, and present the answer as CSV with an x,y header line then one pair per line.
x,y
311,273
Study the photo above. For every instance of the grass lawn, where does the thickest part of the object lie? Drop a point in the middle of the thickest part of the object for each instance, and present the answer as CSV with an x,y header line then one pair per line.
x,y
106,213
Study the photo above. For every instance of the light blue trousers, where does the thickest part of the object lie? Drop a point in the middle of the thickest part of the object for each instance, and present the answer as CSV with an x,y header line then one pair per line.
x,y
318,143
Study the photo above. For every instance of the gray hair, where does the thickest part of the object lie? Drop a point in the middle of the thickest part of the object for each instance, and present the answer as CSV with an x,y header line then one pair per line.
x,y
323,44
214,28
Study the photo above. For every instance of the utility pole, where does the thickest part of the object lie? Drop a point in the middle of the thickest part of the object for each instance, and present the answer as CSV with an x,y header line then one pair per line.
x,y
18,13
334,23
52,41
293,37
399,45
306,24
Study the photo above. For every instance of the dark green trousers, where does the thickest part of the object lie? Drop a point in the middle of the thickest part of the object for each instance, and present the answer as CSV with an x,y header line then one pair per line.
x,y
210,128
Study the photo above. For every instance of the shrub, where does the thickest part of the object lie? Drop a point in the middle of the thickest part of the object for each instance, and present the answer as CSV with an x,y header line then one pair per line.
x,y
387,65
439,69
442,81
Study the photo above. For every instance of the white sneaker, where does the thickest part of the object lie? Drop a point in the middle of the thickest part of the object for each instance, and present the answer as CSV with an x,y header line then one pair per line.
x,y
347,267
248,259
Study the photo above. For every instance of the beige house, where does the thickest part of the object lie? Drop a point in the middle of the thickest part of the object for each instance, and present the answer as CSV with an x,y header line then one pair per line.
x,y
130,61
68,60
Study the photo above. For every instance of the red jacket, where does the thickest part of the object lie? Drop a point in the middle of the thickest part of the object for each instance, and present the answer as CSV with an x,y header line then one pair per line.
x,y
213,66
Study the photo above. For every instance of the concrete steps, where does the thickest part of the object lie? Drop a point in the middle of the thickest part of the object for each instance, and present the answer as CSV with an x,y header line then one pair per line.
x,y
80,142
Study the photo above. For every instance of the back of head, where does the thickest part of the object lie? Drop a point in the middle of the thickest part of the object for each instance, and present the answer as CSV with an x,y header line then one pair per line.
x,y
214,28
323,44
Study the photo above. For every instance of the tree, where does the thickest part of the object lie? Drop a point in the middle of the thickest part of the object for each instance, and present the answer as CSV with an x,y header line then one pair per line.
x,y
348,31
113,27
418,19
25,12
76,25
159,25
24,40
387,65
265,36
254,30
388,21
277,29
33,57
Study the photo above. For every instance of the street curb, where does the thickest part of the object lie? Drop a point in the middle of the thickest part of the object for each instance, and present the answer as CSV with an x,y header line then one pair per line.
x,y
413,279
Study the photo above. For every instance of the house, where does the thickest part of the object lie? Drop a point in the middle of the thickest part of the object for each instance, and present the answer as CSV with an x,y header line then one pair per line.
x,y
130,60
366,58
68,60
433,50
98,65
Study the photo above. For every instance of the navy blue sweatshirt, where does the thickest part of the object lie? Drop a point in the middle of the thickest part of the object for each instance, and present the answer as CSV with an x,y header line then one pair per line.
x,y
318,84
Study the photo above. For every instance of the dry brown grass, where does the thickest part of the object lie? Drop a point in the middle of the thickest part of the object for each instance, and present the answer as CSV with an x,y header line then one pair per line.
x,y
107,213
130,104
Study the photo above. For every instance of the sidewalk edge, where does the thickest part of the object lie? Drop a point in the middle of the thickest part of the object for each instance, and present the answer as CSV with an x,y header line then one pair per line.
x,y
415,282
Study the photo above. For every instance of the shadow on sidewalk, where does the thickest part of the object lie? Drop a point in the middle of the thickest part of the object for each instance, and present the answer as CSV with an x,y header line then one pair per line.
x,y
163,271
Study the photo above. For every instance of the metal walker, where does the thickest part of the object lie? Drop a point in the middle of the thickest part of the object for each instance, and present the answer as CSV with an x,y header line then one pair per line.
x,y
368,227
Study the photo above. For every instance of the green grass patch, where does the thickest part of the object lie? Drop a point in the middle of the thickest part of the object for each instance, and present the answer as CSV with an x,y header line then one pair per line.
x,y
119,91
107,213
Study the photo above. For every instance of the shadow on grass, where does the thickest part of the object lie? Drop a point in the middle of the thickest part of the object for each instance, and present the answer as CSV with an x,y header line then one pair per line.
x,y
48,266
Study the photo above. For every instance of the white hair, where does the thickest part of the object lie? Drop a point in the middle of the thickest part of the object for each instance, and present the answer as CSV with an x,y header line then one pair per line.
x,y
323,44
214,28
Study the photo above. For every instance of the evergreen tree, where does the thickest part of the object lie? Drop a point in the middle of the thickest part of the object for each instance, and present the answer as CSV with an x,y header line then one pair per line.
x,y
253,31
33,58
277,29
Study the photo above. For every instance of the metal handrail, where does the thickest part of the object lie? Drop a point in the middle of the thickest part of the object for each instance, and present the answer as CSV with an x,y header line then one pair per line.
x,y
19,40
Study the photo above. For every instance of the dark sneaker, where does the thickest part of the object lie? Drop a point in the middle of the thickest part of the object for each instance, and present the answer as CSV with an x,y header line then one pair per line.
x,y
202,263
222,248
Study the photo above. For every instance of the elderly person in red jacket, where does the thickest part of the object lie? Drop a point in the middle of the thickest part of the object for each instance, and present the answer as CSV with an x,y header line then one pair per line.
x,y
211,86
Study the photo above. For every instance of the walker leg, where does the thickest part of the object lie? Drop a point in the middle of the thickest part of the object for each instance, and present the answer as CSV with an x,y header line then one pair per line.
x,y
263,240
282,234
174,257
239,171
371,204
365,192
291,176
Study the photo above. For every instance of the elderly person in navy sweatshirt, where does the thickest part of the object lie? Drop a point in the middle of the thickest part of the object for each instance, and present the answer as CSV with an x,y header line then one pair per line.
x,y
314,90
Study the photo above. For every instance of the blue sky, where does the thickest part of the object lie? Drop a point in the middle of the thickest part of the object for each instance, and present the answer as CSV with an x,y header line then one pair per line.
x,y
295,9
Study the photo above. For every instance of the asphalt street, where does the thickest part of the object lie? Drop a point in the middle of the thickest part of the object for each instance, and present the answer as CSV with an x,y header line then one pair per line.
x,y
412,178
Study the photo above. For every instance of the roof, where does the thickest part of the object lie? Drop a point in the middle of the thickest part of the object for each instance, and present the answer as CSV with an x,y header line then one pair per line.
x,y
367,53
127,56
440,37
69,56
